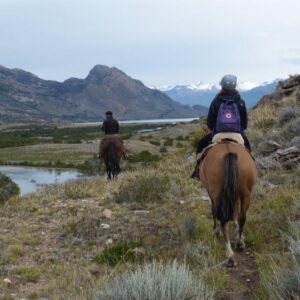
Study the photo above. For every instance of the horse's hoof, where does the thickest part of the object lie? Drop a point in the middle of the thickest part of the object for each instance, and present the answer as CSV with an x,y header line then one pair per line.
x,y
240,247
230,263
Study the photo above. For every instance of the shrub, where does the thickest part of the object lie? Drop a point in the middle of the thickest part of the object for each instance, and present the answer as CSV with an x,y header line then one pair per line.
x,y
79,189
121,252
295,142
150,187
155,142
171,281
168,142
7,188
264,116
163,150
190,228
287,114
87,228
93,166
144,156
197,135
291,129
27,274
200,254
269,163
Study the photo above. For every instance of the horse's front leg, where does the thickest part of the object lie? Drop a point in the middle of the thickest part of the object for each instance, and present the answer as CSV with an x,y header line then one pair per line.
x,y
229,253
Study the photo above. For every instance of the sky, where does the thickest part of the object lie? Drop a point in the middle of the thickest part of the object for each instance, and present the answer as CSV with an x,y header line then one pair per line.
x,y
160,42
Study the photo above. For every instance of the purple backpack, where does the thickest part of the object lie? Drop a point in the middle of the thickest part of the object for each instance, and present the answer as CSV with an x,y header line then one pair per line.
x,y
228,119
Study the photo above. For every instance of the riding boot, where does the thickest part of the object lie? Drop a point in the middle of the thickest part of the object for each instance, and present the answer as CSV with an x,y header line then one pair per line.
x,y
195,174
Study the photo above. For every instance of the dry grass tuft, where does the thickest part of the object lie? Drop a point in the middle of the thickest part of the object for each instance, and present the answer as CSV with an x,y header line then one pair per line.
x,y
263,116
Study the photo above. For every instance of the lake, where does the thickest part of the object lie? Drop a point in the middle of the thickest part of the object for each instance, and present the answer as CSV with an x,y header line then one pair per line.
x,y
30,179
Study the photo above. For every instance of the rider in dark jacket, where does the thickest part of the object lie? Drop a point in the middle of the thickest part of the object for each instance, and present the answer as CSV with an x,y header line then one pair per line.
x,y
213,114
228,91
110,125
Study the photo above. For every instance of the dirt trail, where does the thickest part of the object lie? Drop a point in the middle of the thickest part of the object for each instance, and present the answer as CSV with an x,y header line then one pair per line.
x,y
242,279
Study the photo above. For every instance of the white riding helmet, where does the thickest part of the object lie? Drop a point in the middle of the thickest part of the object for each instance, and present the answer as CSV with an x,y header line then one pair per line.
x,y
228,82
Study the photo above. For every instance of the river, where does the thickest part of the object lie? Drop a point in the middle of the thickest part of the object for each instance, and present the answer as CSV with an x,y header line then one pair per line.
x,y
30,179
154,121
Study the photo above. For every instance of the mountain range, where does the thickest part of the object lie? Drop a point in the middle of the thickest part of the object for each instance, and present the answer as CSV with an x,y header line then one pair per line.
x,y
24,97
203,94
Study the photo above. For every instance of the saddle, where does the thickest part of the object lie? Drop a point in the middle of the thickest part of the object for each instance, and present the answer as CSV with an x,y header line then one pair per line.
x,y
111,137
223,138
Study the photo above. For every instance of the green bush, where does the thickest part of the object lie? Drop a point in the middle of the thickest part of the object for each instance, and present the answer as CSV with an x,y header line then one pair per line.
x,y
168,142
144,156
7,188
155,142
121,252
163,150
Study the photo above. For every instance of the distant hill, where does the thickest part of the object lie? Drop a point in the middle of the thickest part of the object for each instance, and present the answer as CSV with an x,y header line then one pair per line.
x,y
25,97
203,94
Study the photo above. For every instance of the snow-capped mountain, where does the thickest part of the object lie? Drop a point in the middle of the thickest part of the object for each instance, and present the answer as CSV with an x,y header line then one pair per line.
x,y
203,93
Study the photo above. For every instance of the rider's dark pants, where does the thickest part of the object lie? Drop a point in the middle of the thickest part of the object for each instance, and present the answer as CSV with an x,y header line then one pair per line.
x,y
206,140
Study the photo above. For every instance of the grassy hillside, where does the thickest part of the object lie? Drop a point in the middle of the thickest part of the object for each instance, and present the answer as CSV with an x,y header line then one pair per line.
x,y
150,231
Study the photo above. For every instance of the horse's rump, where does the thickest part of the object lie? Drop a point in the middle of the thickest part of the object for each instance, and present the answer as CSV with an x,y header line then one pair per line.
x,y
212,172
116,139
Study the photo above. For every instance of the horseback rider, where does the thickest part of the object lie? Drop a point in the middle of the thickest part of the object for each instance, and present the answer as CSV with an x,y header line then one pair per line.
x,y
110,126
228,94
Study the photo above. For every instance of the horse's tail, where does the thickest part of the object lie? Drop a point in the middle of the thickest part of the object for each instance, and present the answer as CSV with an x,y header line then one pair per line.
x,y
113,162
229,193
112,155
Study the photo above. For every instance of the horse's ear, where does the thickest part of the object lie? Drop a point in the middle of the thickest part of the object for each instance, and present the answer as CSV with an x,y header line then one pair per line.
x,y
205,128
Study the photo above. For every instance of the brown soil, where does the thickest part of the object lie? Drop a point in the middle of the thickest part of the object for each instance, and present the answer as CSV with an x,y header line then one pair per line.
x,y
244,276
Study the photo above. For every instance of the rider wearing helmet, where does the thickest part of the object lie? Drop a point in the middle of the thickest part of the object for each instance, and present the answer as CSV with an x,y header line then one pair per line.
x,y
228,92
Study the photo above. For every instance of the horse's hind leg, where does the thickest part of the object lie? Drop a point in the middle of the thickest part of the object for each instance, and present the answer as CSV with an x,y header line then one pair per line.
x,y
241,222
217,229
108,172
229,253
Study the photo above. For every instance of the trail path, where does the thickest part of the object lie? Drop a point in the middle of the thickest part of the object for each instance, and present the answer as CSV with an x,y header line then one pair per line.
x,y
242,279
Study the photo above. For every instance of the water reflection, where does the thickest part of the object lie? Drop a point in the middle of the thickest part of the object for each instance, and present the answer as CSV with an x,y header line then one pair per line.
x,y
29,179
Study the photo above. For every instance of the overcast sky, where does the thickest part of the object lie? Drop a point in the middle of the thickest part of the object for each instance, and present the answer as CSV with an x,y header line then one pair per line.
x,y
160,42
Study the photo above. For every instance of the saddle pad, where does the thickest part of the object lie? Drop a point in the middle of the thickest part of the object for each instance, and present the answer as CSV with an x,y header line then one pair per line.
x,y
228,136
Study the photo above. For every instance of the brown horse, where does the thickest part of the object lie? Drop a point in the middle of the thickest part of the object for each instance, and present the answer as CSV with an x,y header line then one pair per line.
x,y
228,173
112,151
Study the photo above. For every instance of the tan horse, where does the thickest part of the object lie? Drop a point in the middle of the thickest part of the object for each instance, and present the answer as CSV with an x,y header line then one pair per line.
x,y
112,151
228,173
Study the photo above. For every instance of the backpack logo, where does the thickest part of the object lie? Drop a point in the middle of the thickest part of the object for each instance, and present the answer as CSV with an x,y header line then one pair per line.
x,y
228,119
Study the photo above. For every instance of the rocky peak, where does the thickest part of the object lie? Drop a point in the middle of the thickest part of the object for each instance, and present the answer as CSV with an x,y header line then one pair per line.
x,y
287,92
289,86
100,72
